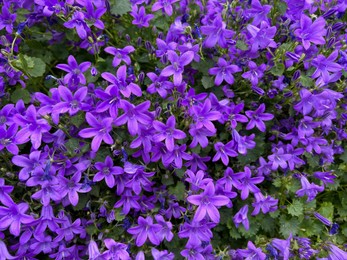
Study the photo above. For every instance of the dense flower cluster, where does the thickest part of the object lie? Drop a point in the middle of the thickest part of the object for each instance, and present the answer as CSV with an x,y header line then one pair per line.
x,y
166,129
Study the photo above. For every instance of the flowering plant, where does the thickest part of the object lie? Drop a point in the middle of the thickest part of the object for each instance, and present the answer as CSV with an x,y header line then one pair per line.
x,y
171,129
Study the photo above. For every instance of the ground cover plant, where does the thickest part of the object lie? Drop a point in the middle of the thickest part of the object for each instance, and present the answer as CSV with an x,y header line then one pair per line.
x,y
172,129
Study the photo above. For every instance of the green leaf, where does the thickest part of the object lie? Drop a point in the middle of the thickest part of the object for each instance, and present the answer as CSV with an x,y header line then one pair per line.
x,y
289,226
306,81
278,69
92,230
78,119
203,66
167,179
327,210
20,93
241,45
207,82
72,145
38,69
178,190
120,7
296,208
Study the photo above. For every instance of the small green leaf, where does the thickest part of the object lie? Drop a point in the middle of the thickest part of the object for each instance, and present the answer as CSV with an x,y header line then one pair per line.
x,y
120,7
92,230
278,69
306,81
289,226
72,146
296,208
207,82
78,119
167,179
20,93
241,45
38,69
327,210
178,190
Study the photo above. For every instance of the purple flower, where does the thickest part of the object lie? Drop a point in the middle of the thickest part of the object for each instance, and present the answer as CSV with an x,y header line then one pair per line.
x,y
128,201
5,190
241,217
311,32
255,72
8,139
31,127
115,250
279,158
141,19
309,189
75,71
7,19
193,252
120,54
162,255
283,246
133,115
223,151
43,244
198,180
13,215
77,21
203,115
262,37
121,82
216,32
159,84
71,103
252,253
207,203
94,15
68,229
336,253
196,232
166,5
99,131
71,187
165,231
107,171
168,132
245,183
258,12
323,68
4,254
322,219
265,204
257,117
177,65
145,229
325,177
224,71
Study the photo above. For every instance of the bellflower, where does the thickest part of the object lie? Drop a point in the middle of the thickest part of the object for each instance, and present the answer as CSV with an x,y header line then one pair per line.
x,y
141,19
7,19
177,65
166,5
77,21
145,229
252,252
311,32
241,217
283,246
94,15
133,115
336,253
255,72
216,32
257,117
168,132
224,71
120,54
31,127
309,189
161,255
107,171
99,131
8,139
13,216
121,82
262,37
265,204
324,68
75,71
115,250
224,151
207,203
258,12
245,183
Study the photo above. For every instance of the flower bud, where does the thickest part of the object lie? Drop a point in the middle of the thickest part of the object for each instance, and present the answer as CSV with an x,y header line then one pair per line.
x,y
139,41
93,71
331,42
141,77
296,75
